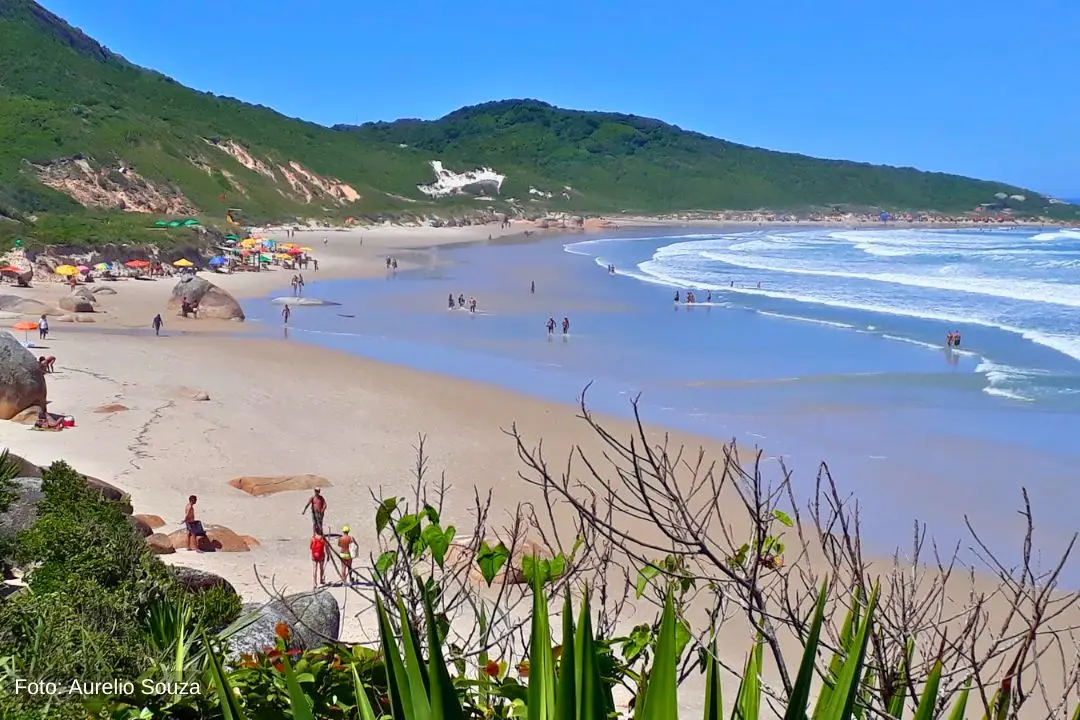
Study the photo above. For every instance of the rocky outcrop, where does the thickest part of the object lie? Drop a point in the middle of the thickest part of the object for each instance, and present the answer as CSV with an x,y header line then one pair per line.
x,y
115,188
22,512
22,383
151,521
194,580
109,492
218,538
213,302
24,306
76,304
259,486
313,619
160,544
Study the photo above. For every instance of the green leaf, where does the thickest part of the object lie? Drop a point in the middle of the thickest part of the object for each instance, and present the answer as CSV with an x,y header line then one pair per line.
x,y
299,703
541,662
431,513
645,575
419,681
928,701
437,541
593,696
384,562
800,691
661,699
748,701
714,697
961,704
566,696
384,513
444,700
397,680
895,705
557,567
490,560
783,518
846,689
408,526
363,705
231,707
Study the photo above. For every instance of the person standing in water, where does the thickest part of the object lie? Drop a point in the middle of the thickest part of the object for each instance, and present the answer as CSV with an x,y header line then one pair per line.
x,y
451,301
566,326
551,326
676,296
532,287
286,312
157,323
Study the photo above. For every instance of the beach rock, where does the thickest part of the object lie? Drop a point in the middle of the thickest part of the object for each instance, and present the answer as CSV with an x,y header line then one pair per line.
x,y
103,290
110,492
76,304
28,416
194,580
140,527
314,619
160,544
83,318
22,383
218,539
251,542
65,318
214,302
84,291
111,408
27,469
259,486
152,521
200,396
24,306
22,512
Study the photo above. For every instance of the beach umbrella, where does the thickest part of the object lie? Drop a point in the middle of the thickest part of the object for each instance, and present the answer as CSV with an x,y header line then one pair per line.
x,y
217,260
183,262
294,251
306,249
190,222
11,269
84,269
136,264
161,223
26,326
66,270
101,266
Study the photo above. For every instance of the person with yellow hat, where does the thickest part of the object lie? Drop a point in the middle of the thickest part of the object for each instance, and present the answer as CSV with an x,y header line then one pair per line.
x,y
346,543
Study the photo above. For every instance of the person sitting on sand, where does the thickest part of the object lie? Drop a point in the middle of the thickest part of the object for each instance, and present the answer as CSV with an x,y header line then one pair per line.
x,y
317,503
45,421
46,363
318,560
192,525
345,545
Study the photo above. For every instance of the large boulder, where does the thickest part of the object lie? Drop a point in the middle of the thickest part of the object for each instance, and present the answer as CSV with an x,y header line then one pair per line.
x,y
218,538
313,618
160,544
84,291
110,492
194,580
213,302
22,383
22,513
259,486
24,306
76,304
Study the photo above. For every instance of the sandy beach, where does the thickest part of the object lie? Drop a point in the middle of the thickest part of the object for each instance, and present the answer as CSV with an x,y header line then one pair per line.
x,y
281,408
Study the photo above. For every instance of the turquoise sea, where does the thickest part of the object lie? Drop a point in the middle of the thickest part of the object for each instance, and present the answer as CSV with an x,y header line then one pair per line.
x,y
838,355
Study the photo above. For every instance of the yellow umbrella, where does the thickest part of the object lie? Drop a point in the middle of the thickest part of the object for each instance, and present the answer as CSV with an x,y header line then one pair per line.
x,y
66,270
182,262
283,256
306,249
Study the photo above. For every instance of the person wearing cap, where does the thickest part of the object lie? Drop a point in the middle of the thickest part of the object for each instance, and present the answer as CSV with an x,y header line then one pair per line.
x,y
346,543
317,503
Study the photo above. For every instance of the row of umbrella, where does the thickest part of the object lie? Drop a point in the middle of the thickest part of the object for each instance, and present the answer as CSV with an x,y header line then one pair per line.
x,y
67,270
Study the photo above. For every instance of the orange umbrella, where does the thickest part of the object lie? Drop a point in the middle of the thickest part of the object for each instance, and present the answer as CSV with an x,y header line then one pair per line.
x,y
10,269
26,326
137,263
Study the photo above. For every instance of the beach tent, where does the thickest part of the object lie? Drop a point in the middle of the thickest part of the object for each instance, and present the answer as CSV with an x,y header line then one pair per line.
x,y
66,270
183,262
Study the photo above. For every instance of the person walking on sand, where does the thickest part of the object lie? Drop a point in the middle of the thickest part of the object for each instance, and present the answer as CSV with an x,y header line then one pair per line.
x,y
346,543
194,530
157,323
318,560
285,313
317,503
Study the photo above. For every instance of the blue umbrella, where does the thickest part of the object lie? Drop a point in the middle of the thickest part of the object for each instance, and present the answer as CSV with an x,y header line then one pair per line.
x,y
218,260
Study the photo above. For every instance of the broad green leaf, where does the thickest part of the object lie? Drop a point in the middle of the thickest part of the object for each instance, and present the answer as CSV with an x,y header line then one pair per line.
x,y
444,700
645,576
384,562
408,526
490,560
432,514
557,568
661,700
437,541
799,700
928,701
783,518
541,662
384,513
566,695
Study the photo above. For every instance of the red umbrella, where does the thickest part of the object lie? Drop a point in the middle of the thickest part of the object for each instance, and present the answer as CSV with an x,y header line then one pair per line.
x,y
11,269
294,251
137,263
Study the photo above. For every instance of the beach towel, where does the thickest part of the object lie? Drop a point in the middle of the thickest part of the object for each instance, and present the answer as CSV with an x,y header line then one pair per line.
x,y
52,429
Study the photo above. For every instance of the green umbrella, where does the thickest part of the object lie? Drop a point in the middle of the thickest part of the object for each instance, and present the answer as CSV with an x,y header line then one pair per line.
x,y
161,223
230,236
190,222
174,223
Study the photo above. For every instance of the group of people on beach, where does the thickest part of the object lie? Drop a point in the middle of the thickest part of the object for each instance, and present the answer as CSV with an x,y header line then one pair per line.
x,y
297,283
953,339
691,298
551,326
461,303
391,263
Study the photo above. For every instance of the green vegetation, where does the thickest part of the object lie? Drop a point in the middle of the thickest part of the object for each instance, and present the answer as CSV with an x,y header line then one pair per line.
x,y
624,162
63,96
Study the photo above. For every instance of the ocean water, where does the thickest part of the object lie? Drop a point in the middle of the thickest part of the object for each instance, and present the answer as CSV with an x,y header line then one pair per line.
x,y
838,355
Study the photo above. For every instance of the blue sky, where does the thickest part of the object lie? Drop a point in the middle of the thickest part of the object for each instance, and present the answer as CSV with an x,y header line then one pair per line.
x,y
985,88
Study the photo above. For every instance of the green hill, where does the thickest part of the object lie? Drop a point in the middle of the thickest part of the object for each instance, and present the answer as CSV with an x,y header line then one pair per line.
x,y
90,145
